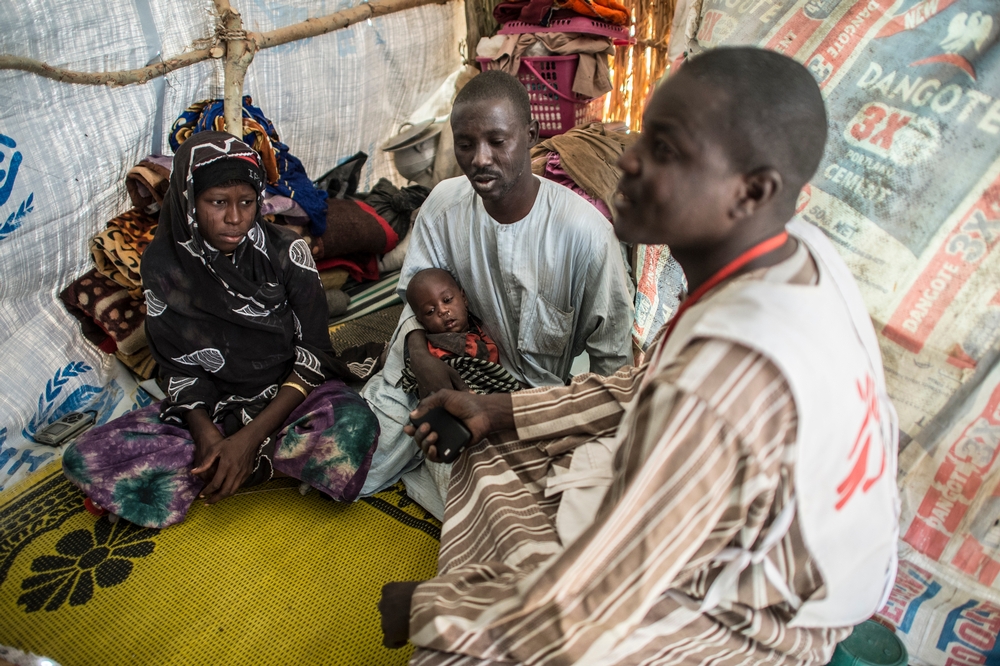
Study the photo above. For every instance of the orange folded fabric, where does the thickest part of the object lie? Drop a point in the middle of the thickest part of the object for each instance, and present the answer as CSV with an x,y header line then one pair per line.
x,y
606,10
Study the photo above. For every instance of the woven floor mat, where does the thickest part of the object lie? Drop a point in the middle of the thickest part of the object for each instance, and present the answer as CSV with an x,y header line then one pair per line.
x,y
265,577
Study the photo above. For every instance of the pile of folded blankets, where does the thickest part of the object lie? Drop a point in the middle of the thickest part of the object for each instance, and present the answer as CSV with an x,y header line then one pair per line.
x,y
585,159
353,236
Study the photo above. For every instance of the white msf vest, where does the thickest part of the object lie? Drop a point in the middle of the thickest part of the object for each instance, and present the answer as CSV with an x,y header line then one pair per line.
x,y
822,340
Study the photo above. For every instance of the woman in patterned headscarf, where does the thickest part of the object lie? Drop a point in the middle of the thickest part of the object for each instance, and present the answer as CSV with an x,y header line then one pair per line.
x,y
237,321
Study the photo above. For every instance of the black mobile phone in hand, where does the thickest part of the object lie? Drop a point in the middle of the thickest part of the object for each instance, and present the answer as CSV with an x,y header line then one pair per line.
x,y
452,434
68,426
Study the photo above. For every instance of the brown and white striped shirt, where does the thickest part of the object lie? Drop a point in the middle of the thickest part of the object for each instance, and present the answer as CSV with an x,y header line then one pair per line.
x,y
707,466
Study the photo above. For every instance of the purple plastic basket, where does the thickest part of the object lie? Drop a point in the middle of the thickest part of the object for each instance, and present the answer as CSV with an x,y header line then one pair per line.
x,y
549,82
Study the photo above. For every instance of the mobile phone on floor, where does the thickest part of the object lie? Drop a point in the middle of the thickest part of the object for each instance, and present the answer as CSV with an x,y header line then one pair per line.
x,y
68,426
452,434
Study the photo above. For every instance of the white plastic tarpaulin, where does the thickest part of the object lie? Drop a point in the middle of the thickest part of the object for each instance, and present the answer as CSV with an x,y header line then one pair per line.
x,y
65,150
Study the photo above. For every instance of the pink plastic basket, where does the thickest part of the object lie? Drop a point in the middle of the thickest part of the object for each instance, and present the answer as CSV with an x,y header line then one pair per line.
x,y
581,24
549,82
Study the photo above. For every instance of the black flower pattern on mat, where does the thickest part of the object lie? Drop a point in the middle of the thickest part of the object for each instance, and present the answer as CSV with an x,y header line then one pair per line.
x,y
102,557
39,510
402,500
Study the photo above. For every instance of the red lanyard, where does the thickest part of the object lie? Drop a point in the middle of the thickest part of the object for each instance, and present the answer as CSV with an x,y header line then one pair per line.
x,y
759,250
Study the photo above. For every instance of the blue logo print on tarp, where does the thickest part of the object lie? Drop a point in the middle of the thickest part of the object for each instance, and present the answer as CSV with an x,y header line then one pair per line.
x,y
8,175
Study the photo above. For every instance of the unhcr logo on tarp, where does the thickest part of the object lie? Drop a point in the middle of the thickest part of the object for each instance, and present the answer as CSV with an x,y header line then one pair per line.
x,y
8,176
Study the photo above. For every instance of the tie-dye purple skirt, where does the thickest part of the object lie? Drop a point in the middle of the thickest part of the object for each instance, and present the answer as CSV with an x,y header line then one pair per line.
x,y
137,467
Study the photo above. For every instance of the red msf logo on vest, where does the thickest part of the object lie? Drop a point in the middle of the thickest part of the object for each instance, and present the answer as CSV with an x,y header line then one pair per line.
x,y
862,475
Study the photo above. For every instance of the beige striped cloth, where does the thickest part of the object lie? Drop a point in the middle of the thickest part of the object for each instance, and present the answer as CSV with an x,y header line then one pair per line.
x,y
708,465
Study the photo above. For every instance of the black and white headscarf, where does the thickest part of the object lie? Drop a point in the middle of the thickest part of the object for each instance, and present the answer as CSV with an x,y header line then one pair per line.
x,y
226,331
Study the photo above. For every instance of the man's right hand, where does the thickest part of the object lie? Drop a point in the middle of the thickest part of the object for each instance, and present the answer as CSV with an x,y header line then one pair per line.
x,y
482,414
432,374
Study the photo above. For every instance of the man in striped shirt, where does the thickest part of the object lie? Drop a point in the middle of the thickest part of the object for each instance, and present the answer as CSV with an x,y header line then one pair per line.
x,y
748,508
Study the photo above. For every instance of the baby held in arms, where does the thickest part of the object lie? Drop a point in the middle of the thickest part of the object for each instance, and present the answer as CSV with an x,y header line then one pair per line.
x,y
453,335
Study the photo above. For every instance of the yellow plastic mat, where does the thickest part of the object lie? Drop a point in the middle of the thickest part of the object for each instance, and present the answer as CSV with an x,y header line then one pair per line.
x,y
265,577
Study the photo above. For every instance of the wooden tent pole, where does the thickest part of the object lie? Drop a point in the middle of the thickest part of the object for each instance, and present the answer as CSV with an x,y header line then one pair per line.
x,y
239,55
342,19
119,78
640,65
303,30
479,22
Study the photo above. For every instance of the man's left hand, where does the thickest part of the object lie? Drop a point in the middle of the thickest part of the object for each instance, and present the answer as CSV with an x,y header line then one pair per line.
x,y
395,609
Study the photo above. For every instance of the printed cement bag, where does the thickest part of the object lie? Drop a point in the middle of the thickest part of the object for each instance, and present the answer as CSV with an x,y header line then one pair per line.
x,y
909,191
950,527
659,284
942,622
65,150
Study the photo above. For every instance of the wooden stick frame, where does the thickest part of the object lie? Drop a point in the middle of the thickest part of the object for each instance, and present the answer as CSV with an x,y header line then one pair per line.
x,y
239,49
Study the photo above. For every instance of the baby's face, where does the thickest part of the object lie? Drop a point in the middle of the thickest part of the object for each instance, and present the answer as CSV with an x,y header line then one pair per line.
x,y
441,307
